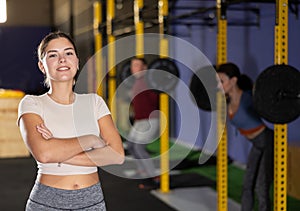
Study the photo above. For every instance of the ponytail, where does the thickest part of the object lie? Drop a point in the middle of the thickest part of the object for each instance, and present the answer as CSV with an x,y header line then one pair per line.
x,y
244,82
232,70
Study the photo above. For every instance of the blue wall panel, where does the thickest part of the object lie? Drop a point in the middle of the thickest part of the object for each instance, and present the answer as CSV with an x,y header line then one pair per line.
x,y
18,59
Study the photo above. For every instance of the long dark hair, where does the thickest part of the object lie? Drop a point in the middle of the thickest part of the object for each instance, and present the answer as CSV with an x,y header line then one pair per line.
x,y
232,70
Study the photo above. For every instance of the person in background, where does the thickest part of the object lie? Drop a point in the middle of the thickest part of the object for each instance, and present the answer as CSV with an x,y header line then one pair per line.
x,y
259,171
146,127
68,134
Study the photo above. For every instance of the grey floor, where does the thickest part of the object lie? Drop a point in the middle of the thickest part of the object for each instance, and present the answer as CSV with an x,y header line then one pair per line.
x,y
193,199
202,198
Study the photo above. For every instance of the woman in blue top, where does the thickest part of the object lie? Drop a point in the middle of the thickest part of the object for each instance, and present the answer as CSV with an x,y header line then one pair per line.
x,y
259,172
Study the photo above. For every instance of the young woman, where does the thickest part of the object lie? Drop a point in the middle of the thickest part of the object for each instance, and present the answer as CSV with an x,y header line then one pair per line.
x,y
259,172
68,134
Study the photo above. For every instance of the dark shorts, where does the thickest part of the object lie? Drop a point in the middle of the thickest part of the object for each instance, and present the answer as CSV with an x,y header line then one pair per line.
x,y
47,198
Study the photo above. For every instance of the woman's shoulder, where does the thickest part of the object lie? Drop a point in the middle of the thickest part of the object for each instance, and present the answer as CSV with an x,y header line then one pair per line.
x,y
247,97
31,104
29,97
247,93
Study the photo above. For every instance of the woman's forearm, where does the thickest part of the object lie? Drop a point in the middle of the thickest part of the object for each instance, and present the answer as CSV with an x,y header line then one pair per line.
x,y
97,157
59,150
47,148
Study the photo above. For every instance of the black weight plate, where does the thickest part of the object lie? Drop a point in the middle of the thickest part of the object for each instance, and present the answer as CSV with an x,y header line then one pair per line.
x,y
203,88
276,94
162,75
124,74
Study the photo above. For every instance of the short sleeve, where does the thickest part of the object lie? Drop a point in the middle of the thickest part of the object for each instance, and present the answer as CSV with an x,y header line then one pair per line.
x,y
29,104
101,108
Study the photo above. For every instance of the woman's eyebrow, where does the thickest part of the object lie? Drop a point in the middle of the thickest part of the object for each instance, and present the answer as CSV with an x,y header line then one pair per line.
x,y
66,49
70,48
51,51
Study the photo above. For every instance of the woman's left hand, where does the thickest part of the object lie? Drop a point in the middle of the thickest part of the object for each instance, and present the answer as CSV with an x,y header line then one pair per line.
x,y
44,131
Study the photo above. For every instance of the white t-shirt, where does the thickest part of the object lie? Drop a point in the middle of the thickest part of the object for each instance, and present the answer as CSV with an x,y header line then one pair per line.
x,y
66,121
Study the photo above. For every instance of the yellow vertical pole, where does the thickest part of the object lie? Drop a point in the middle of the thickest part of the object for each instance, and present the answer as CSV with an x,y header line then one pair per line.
x,y
139,28
163,10
222,168
98,45
112,84
280,130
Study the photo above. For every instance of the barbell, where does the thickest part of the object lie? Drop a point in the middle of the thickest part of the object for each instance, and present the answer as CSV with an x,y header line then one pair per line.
x,y
203,87
162,75
276,93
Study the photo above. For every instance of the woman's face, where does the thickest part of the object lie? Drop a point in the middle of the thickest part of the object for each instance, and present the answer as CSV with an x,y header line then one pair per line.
x,y
60,62
226,82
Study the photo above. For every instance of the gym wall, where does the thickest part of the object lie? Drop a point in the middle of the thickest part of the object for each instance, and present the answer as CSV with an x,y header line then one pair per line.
x,y
19,36
250,47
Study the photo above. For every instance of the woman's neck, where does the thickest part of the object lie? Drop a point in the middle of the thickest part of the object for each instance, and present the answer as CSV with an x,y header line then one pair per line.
x,y
62,95
235,95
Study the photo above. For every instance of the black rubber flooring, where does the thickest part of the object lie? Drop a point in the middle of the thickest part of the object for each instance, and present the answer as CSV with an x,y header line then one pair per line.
x,y
17,176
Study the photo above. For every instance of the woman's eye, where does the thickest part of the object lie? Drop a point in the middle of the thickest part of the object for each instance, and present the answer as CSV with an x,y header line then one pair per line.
x,y
70,53
52,55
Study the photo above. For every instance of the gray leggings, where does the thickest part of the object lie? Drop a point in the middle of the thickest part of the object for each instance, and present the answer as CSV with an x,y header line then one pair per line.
x,y
259,173
47,198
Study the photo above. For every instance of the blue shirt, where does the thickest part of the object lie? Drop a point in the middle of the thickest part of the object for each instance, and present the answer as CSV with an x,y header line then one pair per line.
x,y
245,118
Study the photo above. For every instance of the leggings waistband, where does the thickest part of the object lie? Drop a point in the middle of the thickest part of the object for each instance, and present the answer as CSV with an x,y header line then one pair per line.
x,y
264,139
60,199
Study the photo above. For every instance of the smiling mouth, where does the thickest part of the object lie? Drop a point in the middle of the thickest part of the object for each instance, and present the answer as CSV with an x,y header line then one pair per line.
x,y
63,69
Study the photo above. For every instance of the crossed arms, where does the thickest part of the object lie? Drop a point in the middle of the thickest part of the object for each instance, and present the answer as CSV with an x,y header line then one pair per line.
x,y
87,150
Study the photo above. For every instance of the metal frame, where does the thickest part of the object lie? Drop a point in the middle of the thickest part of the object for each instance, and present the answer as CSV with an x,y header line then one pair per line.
x,y
222,167
163,11
112,84
280,131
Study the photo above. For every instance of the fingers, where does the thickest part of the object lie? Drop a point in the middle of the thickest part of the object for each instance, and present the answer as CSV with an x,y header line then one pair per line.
x,y
44,131
45,136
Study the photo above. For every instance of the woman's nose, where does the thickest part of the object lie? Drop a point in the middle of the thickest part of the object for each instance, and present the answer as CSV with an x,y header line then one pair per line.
x,y
62,59
219,83
219,86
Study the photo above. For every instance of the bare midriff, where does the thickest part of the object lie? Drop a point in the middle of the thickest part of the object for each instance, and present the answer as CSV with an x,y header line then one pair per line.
x,y
69,182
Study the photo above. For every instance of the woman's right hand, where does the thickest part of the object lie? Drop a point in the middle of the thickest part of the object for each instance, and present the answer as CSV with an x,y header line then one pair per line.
x,y
44,131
